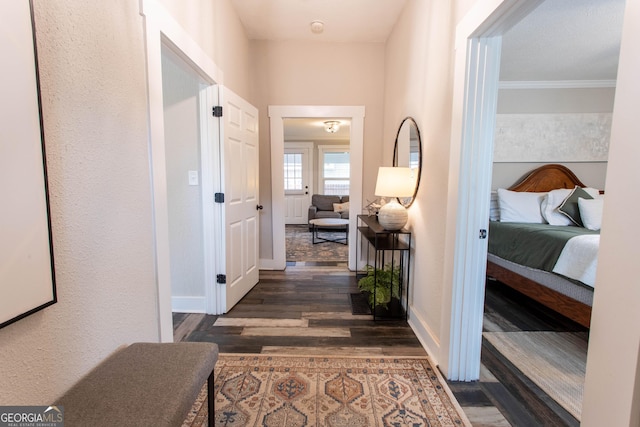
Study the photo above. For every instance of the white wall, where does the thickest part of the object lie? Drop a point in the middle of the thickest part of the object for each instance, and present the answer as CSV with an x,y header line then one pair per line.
x,y
182,144
297,73
612,394
92,72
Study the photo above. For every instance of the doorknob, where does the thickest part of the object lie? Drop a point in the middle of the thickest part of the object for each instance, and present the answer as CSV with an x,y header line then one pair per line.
x,y
259,207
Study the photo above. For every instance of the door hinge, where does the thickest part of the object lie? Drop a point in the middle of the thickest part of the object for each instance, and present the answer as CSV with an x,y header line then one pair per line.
x,y
483,233
218,197
217,111
221,278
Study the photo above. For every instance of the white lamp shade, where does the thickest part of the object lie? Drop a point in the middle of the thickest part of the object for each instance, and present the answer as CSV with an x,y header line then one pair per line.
x,y
395,182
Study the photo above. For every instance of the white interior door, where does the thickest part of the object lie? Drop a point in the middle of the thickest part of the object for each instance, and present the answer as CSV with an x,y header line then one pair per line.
x,y
298,181
239,133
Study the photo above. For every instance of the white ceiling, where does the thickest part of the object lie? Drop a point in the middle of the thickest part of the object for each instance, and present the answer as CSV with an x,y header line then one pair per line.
x,y
565,40
344,20
560,40
313,130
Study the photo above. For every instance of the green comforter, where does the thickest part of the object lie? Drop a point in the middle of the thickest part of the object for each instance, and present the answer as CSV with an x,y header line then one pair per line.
x,y
534,245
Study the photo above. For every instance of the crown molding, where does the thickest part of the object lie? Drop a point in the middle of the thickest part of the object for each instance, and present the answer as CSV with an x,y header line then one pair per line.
x,y
557,84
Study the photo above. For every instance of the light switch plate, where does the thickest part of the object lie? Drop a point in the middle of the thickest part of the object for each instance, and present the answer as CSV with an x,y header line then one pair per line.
x,y
193,177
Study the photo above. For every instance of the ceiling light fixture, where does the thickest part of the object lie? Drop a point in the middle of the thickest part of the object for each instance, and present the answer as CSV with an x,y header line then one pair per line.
x,y
317,27
332,126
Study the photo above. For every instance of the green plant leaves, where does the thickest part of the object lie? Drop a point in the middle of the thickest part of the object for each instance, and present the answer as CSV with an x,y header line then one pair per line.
x,y
381,284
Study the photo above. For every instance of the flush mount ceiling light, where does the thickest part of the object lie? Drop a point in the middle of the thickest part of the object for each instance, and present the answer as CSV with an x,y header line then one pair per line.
x,y
332,126
317,27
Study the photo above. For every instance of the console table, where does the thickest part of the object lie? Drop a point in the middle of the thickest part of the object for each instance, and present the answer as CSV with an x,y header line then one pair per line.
x,y
385,250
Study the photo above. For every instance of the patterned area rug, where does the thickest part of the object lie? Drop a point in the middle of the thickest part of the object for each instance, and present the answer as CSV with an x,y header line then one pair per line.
x,y
270,391
300,246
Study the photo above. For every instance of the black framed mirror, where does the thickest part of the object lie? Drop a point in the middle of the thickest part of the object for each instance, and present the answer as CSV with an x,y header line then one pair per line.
x,y
408,153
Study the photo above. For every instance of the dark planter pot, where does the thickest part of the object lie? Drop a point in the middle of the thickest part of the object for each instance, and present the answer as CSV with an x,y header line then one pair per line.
x,y
394,310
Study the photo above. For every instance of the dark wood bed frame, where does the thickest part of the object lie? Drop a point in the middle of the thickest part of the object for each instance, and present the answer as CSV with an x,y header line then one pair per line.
x,y
543,179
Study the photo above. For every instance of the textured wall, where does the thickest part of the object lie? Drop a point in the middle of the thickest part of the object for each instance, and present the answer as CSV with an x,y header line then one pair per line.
x,y
553,138
559,110
92,72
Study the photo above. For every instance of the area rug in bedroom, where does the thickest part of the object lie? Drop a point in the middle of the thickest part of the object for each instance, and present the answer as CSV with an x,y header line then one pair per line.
x,y
554,361
301,248
268,390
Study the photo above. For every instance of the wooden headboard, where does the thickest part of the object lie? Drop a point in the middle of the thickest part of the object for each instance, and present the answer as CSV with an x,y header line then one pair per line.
x,y
547,178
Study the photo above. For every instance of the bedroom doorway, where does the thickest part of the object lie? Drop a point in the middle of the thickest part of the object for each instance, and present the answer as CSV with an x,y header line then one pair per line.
x,y
478,56
476,75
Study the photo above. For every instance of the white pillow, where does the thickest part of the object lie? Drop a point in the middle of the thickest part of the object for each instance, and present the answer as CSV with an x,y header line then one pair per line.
x,y
341,207
591,212
494,207
516,206
550,204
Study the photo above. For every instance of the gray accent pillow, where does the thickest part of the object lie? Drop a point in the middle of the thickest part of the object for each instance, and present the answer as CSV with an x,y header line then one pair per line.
x,y
570,206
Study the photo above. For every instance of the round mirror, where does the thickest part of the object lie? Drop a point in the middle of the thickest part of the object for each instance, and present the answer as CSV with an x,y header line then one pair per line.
x,y
408,153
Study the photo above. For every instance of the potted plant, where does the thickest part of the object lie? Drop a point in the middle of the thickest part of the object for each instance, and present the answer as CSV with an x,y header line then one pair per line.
x,y
382,285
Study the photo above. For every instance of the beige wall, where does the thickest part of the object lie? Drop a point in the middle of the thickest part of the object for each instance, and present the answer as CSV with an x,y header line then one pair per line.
x,y
92,72
216,28
418,84
94,93
297,73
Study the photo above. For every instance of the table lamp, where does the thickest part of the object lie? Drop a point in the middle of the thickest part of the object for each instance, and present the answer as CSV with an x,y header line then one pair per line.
x,y
394,182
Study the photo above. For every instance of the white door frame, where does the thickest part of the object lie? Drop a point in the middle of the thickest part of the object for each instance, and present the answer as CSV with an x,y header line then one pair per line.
x,y
277,114
477,66
161,29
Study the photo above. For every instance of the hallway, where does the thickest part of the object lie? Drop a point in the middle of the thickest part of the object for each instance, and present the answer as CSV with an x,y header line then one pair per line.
x,y
302,310
306,310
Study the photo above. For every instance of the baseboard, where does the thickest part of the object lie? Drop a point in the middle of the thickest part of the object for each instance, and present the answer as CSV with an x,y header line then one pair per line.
x,y
271,264
188,304
427,338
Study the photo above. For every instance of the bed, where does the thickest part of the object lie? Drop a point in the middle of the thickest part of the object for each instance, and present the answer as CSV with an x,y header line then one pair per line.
x,y
550,279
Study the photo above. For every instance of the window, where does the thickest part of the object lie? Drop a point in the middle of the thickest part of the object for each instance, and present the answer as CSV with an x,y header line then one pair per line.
x,y
292,171
334,170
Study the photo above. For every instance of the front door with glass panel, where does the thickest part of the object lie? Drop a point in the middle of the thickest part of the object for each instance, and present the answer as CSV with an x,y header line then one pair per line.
x,y
297,181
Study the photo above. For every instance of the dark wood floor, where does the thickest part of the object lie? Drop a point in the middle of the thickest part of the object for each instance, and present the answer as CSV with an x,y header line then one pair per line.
x,y
303,310
307,310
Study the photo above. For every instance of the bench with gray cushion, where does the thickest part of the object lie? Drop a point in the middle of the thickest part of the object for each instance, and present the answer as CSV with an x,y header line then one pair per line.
x,y
144,384
322,207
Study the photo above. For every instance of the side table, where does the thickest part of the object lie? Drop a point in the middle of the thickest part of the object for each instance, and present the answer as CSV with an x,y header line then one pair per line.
x,y
390,251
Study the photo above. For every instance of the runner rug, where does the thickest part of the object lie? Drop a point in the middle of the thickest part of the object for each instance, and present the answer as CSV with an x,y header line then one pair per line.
x,y
266,390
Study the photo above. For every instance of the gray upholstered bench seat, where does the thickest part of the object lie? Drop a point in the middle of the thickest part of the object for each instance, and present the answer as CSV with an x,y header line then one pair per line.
x,y
144,384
